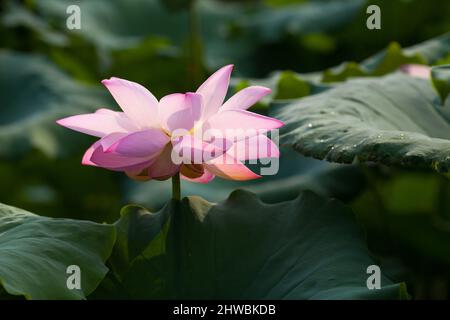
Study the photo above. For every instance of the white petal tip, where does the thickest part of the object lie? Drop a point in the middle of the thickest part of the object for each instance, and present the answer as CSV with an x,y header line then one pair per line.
x,y
109,81
65,122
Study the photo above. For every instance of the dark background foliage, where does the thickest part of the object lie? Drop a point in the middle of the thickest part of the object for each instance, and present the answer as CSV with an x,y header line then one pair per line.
x,y
48,71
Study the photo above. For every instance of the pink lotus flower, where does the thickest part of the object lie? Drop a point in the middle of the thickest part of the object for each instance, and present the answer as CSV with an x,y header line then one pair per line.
x,y
142,140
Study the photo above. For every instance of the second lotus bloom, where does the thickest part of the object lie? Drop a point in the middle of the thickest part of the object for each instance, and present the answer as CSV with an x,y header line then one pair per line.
x,y
143,139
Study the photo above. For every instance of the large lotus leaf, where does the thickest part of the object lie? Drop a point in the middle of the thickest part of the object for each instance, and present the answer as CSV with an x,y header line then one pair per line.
x,y
242,248
393,120
295,173
35,253
35,94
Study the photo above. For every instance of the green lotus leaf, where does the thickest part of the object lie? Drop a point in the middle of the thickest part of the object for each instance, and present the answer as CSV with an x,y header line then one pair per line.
x,y
392,120
242,248
36,251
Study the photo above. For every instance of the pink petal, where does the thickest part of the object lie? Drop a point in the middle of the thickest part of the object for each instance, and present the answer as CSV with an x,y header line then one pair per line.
x,y
205,178
140,144
163,167
241,120
256,147
88,154
118,163
137,102
110,139
115,161
94,124
107,111
180,111
195,151
121,119
245,98
417,70
229,168
214,90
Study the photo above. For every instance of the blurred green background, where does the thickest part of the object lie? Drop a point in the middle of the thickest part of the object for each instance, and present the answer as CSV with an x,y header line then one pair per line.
x,y
48,71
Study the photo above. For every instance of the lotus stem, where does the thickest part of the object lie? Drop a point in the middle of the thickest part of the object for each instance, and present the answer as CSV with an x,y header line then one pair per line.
x,y
176,189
